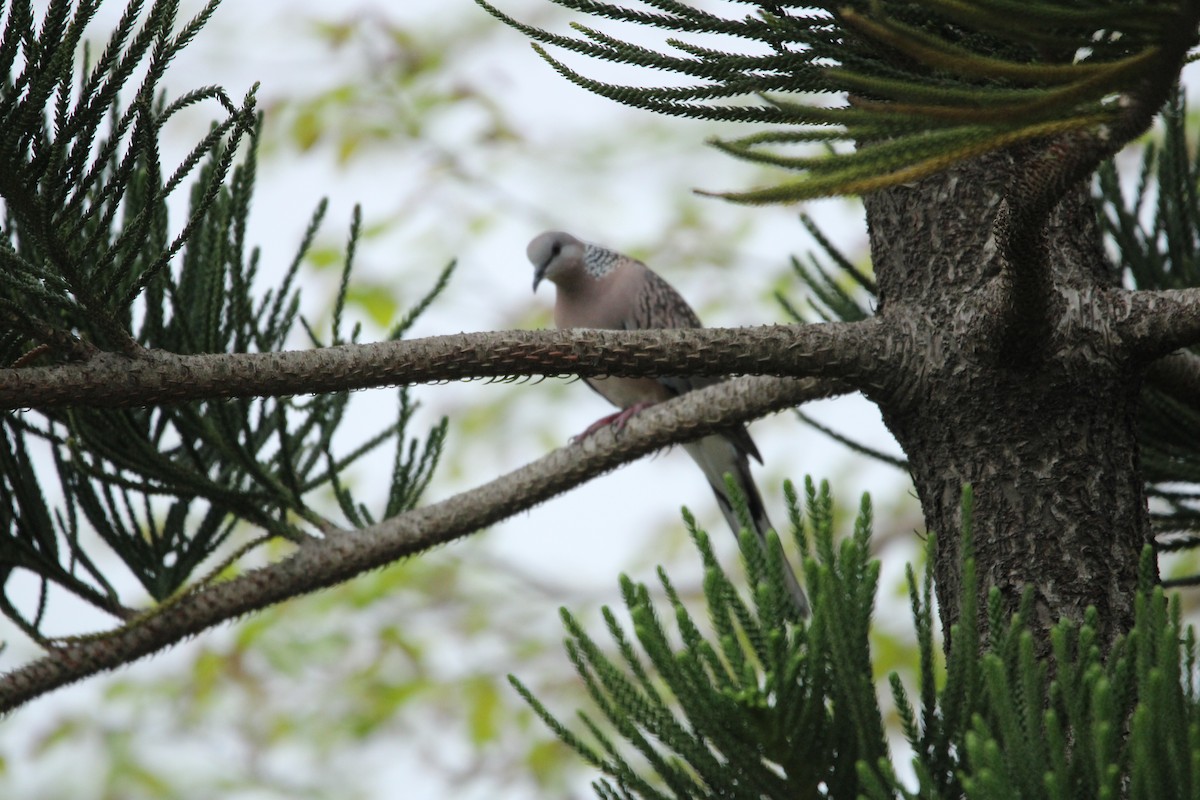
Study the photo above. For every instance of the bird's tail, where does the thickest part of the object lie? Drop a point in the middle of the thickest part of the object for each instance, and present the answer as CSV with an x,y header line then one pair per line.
x,y
717,456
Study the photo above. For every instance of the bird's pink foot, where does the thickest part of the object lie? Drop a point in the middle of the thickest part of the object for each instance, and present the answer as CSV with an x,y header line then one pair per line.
x,y
616,420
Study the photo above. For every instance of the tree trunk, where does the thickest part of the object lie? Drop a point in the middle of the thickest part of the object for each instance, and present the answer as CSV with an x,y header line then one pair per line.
x,y
1046,439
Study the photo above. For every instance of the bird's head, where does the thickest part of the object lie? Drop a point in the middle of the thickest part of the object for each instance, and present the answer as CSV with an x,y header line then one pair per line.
x,y
557,256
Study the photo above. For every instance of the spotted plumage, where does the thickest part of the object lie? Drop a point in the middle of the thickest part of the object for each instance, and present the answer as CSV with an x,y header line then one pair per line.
x,y
600,288
598,261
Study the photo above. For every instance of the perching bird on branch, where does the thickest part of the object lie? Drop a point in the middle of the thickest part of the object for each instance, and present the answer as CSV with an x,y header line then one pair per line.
x,y
600,288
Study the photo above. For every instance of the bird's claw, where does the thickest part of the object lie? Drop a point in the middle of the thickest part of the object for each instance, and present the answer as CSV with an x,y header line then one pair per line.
x,y
617,421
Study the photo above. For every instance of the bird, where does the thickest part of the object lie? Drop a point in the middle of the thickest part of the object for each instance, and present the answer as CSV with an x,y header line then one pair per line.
x,y
600,288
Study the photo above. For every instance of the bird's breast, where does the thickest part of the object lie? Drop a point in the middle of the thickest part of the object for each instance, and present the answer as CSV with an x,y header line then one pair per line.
x,y
581,313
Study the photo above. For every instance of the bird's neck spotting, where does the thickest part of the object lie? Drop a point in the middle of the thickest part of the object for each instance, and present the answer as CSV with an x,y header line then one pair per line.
x,y
599,261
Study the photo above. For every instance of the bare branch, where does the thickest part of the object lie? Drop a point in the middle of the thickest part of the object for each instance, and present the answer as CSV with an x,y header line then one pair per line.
x,y
844,351
343,555
1154,324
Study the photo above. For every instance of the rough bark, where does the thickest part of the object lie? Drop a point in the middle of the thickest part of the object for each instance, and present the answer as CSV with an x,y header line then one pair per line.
x,y
341,555
116,380
1043,432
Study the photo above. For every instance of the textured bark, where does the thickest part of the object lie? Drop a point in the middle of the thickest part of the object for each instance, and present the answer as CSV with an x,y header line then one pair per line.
x,y
111,380
1043,431
341,555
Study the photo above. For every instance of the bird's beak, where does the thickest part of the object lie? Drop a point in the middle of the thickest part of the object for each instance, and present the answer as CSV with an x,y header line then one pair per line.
x,y
539,272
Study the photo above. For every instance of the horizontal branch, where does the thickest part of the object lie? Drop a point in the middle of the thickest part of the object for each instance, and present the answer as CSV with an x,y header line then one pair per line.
x,y
1152,324
110,380
343,555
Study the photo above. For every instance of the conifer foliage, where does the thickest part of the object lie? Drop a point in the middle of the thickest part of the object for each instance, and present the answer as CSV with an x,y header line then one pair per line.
x,y
930,83
95,258
754,707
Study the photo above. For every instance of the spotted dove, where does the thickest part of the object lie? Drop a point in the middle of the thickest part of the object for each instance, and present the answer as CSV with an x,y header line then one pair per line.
x,y
600,288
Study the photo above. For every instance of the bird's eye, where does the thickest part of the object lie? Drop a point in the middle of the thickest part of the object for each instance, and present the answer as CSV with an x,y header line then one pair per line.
x,y
555,249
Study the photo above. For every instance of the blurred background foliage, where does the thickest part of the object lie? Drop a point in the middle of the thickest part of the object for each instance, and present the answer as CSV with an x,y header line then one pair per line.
x,y
455,139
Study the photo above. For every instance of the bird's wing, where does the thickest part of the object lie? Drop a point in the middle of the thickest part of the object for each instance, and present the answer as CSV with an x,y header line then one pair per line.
x,y
658,305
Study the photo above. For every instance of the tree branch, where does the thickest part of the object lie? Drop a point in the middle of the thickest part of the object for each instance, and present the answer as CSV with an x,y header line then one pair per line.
x,y
343,555
1155,324
852,352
